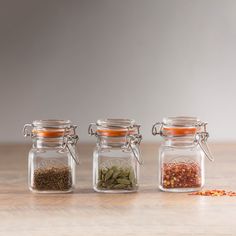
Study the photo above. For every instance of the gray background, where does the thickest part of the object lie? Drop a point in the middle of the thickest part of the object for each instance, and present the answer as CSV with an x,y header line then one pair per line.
x,y
84,60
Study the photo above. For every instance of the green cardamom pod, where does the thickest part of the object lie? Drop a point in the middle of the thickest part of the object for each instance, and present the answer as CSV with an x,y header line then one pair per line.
x,y
108,174
104,170
103,177
119,186
126,172
114,168
99,184
132,177
100,174
116,174
123,181
110,181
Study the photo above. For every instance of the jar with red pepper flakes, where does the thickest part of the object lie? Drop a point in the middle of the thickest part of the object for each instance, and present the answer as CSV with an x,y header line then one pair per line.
x,y
182,153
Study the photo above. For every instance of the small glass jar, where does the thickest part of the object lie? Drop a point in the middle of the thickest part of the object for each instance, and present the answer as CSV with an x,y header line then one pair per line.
x,y
52,158
182,153
116,158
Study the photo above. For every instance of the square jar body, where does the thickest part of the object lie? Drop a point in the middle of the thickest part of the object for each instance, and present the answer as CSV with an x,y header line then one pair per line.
x,y
115,170
51,170
181,168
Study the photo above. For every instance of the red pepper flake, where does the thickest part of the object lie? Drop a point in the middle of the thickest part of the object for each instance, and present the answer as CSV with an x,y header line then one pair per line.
x,y
214,193
181,175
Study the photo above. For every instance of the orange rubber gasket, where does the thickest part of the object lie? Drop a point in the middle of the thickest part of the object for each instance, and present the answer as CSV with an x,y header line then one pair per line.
x,y
114,132
179,131
49,133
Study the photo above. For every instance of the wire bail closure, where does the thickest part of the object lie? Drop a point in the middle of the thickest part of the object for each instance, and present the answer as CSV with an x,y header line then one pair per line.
x,y
135,140
201,140
132,139
69,140
156,131
26,131
200,137
91,132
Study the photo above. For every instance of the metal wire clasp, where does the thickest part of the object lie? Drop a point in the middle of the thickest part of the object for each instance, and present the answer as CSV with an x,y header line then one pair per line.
x,y
91,132
27,130
135,140
70,142
156,128
201,140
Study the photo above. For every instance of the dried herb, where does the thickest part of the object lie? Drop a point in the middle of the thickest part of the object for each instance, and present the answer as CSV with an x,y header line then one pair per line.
x,y
214,193
116,178
52,179
181,175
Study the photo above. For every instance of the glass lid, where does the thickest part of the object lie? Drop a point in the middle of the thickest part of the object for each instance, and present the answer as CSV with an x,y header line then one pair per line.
x,y
53,123
114,127
116,123
181,121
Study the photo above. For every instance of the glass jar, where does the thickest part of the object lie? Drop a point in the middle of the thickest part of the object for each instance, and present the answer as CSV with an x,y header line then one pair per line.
x,y
116,158
182,153
52,158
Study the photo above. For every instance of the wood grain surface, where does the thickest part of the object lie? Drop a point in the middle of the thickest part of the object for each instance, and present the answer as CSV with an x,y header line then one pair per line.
x,y
148,212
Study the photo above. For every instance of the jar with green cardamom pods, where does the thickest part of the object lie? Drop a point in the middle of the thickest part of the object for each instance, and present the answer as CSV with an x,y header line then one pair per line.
x,y
116,157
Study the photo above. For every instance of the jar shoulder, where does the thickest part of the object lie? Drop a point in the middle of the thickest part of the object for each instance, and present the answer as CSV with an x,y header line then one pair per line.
x,y
180,148
114,152
49,152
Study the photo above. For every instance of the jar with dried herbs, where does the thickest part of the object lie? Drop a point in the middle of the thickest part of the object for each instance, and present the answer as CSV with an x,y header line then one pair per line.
x,y
53,156
116,158
182,153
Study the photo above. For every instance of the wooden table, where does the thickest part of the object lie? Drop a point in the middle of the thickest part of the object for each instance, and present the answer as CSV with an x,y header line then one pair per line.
x,y
148,212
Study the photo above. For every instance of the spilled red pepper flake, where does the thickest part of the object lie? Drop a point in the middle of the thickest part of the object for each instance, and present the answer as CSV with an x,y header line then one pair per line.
x,y
214,193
